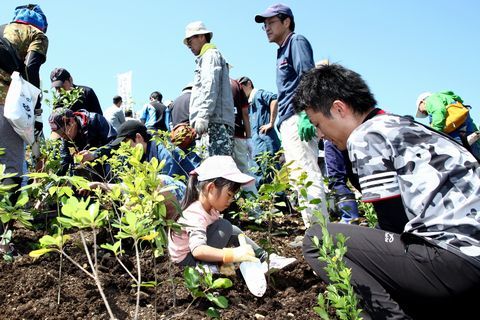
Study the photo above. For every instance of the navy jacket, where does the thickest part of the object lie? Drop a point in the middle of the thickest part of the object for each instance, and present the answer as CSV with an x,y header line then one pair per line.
x,y
94,131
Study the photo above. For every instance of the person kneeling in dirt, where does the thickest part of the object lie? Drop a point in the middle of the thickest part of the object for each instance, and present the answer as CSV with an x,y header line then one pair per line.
x,y
175,163
424,261
80,131
205,236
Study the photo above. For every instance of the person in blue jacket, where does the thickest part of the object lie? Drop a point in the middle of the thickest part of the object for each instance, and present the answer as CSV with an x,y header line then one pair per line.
x,y
175,163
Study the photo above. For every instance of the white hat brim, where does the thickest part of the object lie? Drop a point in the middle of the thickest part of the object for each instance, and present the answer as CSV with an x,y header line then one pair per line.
x,y
195,33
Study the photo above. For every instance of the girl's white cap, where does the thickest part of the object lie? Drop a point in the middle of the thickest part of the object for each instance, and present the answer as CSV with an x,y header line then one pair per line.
x,y
221,167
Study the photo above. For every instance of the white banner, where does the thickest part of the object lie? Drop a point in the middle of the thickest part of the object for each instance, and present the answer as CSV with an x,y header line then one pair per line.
x,y
124,89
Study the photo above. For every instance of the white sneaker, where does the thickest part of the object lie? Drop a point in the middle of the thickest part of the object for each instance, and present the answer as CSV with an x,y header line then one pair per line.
x,y
277,262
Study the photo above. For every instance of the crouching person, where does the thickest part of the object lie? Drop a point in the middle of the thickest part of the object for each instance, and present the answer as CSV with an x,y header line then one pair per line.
x,y
424,260
80,131
135,133
206,237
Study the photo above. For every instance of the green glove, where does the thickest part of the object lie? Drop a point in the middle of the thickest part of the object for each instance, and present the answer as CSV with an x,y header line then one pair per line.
x,y
306,130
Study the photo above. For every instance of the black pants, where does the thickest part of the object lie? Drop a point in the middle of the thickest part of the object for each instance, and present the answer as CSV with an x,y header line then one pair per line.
x,y
395,280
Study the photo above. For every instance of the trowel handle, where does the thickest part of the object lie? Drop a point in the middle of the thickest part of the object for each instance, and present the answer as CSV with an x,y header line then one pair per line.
x,y
242,239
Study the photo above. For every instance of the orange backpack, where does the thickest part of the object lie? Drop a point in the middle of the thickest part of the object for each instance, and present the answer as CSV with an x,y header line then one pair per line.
x,y
457,113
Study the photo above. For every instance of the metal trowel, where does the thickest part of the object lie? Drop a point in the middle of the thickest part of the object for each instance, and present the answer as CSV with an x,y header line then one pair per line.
x,y
253,273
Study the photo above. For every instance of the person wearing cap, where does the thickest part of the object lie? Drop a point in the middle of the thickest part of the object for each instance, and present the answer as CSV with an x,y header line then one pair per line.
x,y
434,106
423,259
211,101
80,131
294,58
114,114
176,162
26,34
205,236
153,114
88,100
263,107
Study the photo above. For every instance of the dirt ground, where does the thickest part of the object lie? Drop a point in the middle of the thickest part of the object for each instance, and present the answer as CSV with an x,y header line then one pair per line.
x,y
29,289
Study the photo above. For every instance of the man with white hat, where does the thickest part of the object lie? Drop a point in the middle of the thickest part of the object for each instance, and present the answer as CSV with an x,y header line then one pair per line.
x,y
211,102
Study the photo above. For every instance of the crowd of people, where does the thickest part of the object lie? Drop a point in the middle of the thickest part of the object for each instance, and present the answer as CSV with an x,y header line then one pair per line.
x,y
422,259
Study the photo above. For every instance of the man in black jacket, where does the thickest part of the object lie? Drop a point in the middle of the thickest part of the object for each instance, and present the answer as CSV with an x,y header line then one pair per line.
x,y
81,131
61,79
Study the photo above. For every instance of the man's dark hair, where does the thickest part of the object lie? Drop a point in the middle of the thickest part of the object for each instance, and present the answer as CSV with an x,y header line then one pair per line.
x,y
128,113
244,80
282,18
117,99
145,135
155,95
321,86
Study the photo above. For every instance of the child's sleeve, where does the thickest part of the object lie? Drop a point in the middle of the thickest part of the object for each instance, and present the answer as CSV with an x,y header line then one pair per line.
x,y
196,228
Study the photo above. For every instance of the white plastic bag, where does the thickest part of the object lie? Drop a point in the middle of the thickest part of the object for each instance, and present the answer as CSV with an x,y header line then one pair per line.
x,y
19,107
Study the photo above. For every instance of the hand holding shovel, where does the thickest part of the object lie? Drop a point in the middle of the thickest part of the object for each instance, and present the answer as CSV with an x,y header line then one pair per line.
x,y
252,271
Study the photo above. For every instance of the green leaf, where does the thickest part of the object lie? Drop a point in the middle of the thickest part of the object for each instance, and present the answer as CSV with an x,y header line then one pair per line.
x,y
304,194
65,191
131,218
38,175
114,248
22,200
321,312
213,313
191,277
52,190
316,241
48,240
5,217
40,252
208,278
220,301
222,283
149,284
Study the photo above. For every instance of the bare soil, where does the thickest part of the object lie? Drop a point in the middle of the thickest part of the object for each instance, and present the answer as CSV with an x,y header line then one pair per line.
x,y
29,289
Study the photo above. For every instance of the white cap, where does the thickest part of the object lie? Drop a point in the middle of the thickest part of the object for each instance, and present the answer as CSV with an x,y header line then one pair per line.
x,y
195,28
420,98
221,167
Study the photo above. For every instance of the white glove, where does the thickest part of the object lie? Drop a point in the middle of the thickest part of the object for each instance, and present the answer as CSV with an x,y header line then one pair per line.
x,y
239,254
201,126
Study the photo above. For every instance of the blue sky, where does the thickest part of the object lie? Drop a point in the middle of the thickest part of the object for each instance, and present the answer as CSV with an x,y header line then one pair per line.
x,y
401,48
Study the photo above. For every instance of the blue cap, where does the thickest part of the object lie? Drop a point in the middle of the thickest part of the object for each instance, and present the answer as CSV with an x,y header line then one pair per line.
x,y
31,14
272,11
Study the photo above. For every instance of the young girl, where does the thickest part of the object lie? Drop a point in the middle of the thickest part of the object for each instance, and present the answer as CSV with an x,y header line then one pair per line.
x,y
205,236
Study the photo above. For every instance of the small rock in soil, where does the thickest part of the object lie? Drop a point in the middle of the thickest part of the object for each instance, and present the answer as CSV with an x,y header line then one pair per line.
x,y
297,242
241,305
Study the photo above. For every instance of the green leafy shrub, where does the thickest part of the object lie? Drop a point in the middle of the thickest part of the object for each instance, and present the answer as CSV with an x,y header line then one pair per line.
x,y
202,285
